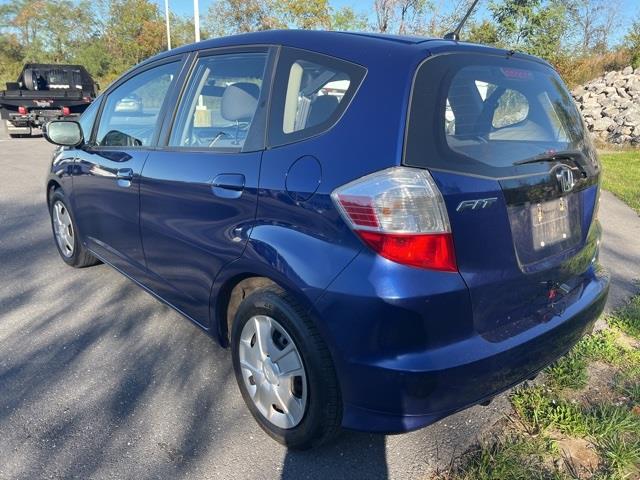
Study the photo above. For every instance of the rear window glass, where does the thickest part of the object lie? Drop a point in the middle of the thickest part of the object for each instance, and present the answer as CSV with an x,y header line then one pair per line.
x,y
311,92
481,114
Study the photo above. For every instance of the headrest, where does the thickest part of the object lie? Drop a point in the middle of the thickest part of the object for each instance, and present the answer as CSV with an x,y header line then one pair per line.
x,y
239,101
321,109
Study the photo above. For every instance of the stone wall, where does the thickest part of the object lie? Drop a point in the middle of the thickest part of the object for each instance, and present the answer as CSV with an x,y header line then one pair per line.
x,y
611,106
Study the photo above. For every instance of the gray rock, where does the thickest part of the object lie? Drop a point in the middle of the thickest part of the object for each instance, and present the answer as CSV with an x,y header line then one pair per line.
x,y
622,93
621,83
610,106
603,124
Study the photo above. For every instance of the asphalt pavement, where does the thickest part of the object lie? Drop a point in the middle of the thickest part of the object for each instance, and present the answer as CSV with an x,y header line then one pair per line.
x,y
98,380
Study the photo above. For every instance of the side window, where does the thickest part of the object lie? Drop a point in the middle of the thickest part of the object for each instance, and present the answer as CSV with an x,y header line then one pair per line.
x,y
88,118
311,92
220,102
130,114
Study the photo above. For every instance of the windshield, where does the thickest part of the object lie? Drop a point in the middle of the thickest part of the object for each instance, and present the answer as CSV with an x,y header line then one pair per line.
x,y
484,114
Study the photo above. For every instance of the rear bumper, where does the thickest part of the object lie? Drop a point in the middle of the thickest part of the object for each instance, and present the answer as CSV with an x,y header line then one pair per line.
x,y
39,118
401,391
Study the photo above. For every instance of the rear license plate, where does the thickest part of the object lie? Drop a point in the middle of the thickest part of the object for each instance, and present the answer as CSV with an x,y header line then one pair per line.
x,y
550,222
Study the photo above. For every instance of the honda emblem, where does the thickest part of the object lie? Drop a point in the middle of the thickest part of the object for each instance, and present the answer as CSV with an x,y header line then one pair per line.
x,y
565,178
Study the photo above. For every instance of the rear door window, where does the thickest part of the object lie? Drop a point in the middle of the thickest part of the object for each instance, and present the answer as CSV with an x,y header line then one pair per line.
x,y
218,108
483,114
311,92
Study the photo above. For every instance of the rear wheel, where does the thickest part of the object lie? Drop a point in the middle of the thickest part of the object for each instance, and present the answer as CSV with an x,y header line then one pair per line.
x,y
65,233
284,370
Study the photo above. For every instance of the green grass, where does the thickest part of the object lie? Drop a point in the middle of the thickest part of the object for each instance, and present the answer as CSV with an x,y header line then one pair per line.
x,y
613,429
622,176
627,318
620,454
513,457
571,370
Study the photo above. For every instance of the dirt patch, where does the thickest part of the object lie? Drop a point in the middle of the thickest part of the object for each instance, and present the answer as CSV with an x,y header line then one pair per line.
x,y
628,341
599,388
580,458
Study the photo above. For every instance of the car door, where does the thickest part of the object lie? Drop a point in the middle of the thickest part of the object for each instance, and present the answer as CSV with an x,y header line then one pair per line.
x,y
107,170
198,194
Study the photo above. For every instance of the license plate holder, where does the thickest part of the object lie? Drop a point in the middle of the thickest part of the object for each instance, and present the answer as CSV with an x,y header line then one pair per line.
x,y
550,222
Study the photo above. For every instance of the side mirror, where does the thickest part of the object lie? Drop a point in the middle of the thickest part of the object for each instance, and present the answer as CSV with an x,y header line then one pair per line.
x,y
64,132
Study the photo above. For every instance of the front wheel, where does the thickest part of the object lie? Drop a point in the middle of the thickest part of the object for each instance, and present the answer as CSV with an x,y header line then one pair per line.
x,y
65,233
284,370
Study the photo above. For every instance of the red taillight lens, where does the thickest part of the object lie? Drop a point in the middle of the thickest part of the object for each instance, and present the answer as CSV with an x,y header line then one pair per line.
x,y
66,111
359,209
401,215
434,251
22,110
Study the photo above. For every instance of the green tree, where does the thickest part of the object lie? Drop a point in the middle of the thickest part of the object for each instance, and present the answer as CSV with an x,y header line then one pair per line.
x,y
228,17
632,42
306,14
485,32
532,26
134,30
347,19
592,23
11,58
182,30
47,30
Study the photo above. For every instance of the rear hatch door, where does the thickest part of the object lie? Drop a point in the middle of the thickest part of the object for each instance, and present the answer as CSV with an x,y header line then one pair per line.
x,y
506,144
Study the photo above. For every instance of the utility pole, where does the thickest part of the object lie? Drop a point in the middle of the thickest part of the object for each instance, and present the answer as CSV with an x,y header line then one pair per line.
x,y
166,17
196,19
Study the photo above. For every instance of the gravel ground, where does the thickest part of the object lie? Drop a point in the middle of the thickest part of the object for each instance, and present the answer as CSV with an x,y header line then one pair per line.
x,y
99,380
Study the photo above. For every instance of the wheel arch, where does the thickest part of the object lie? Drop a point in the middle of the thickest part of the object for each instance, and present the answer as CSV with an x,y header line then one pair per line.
x,y
229,291
52,186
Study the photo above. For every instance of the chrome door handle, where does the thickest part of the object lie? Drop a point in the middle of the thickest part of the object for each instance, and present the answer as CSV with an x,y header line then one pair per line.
x,y
124,177
124,174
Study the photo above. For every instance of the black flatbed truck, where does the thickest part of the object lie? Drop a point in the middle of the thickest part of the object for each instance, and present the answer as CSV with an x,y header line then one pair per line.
x,y
44,92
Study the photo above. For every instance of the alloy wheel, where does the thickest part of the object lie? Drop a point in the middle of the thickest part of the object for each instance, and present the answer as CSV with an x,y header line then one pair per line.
x,y
63,228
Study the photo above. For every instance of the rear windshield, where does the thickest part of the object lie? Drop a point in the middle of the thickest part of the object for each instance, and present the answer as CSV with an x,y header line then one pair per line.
x,y
481,114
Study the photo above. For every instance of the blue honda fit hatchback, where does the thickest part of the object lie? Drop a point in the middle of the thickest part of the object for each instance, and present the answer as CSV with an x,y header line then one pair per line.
x,y
383,230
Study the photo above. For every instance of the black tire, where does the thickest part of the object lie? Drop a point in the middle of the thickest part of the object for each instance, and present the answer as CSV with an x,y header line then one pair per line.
x,y
323,414
80,257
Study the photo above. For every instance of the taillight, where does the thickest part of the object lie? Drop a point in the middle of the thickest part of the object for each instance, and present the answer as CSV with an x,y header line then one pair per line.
x,y
22,110
66,111
401,215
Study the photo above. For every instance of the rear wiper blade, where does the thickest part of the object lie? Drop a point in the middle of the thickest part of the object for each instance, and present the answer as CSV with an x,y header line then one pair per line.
x,y
552,157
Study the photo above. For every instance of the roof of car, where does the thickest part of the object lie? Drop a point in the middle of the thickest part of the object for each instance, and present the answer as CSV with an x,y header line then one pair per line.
x,y
293,35
347,42
359,47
